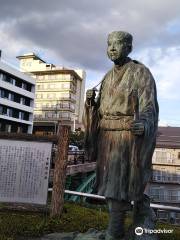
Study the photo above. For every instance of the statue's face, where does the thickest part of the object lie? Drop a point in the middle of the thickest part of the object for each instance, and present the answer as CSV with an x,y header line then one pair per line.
x,y
118,49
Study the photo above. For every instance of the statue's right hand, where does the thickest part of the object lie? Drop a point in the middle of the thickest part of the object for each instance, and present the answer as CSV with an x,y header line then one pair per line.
x,y
90,94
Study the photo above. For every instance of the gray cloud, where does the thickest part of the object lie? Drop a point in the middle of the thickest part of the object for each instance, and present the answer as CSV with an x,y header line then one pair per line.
x,y
75,31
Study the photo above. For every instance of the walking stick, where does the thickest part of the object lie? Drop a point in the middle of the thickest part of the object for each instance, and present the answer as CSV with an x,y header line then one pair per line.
x,y
135,150
135,103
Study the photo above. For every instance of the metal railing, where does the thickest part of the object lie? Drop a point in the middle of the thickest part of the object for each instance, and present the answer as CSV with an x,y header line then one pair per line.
x,y
166,198
165,161
171,178
56,108
89,195
43,118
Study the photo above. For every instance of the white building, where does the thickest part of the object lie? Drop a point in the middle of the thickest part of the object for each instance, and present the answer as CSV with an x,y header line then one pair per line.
x,y
17,93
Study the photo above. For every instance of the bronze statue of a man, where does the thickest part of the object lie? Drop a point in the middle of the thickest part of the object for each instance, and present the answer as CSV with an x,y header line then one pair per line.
x,y
121,126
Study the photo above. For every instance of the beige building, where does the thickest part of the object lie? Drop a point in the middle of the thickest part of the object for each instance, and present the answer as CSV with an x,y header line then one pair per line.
x,y
165,185
59,94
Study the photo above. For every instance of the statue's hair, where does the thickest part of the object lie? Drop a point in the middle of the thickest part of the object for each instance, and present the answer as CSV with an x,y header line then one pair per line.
x,y
127,37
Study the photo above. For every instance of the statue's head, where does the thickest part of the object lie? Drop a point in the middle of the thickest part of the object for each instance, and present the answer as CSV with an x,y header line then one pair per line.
x,y
119,46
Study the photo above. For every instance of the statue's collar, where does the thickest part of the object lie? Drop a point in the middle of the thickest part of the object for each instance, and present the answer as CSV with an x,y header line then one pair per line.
x,y
119,67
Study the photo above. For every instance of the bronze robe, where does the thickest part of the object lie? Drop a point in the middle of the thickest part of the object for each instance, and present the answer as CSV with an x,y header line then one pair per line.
x,y
109,140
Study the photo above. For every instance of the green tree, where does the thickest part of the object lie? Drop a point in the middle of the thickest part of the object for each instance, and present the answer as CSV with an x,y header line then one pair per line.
x,y
77,138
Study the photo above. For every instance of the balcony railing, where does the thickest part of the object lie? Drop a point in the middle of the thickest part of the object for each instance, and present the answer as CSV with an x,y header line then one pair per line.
x,y
168,179
56,108
51,119
165,161
165,198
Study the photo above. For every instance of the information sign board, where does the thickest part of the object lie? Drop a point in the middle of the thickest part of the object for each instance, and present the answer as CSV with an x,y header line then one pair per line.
x,y
24,171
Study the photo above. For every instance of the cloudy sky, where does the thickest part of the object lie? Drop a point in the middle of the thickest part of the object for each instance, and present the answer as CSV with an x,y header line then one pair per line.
x,y
73,33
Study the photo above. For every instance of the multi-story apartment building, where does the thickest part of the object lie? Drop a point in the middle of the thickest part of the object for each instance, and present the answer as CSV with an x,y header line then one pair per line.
x,y
165,185
17,93
59,94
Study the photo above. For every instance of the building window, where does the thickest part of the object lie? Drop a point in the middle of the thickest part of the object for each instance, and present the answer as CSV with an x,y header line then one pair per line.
x,y
38,96
45,86
66,105
65,95
48,114
8,128
1,76
11,96
18,84
173,195
158,194
162,156
67,85
72,106
28,64
38,87
22,100
12,81
4,93
24,86
21,115
4,110
51,77
9,112
19,129
52,86
1,109
40,77
1,93
177,175
178,155
15,113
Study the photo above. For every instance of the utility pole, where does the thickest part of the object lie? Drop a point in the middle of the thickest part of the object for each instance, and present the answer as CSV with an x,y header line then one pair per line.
x,y
56,121
74,122
59,178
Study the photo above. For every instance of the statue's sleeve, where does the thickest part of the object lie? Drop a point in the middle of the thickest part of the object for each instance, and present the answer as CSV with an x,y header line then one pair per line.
x,y
148,114
148,106
91,123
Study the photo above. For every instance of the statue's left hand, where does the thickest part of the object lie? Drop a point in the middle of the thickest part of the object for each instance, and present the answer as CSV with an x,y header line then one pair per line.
x,y
137,128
